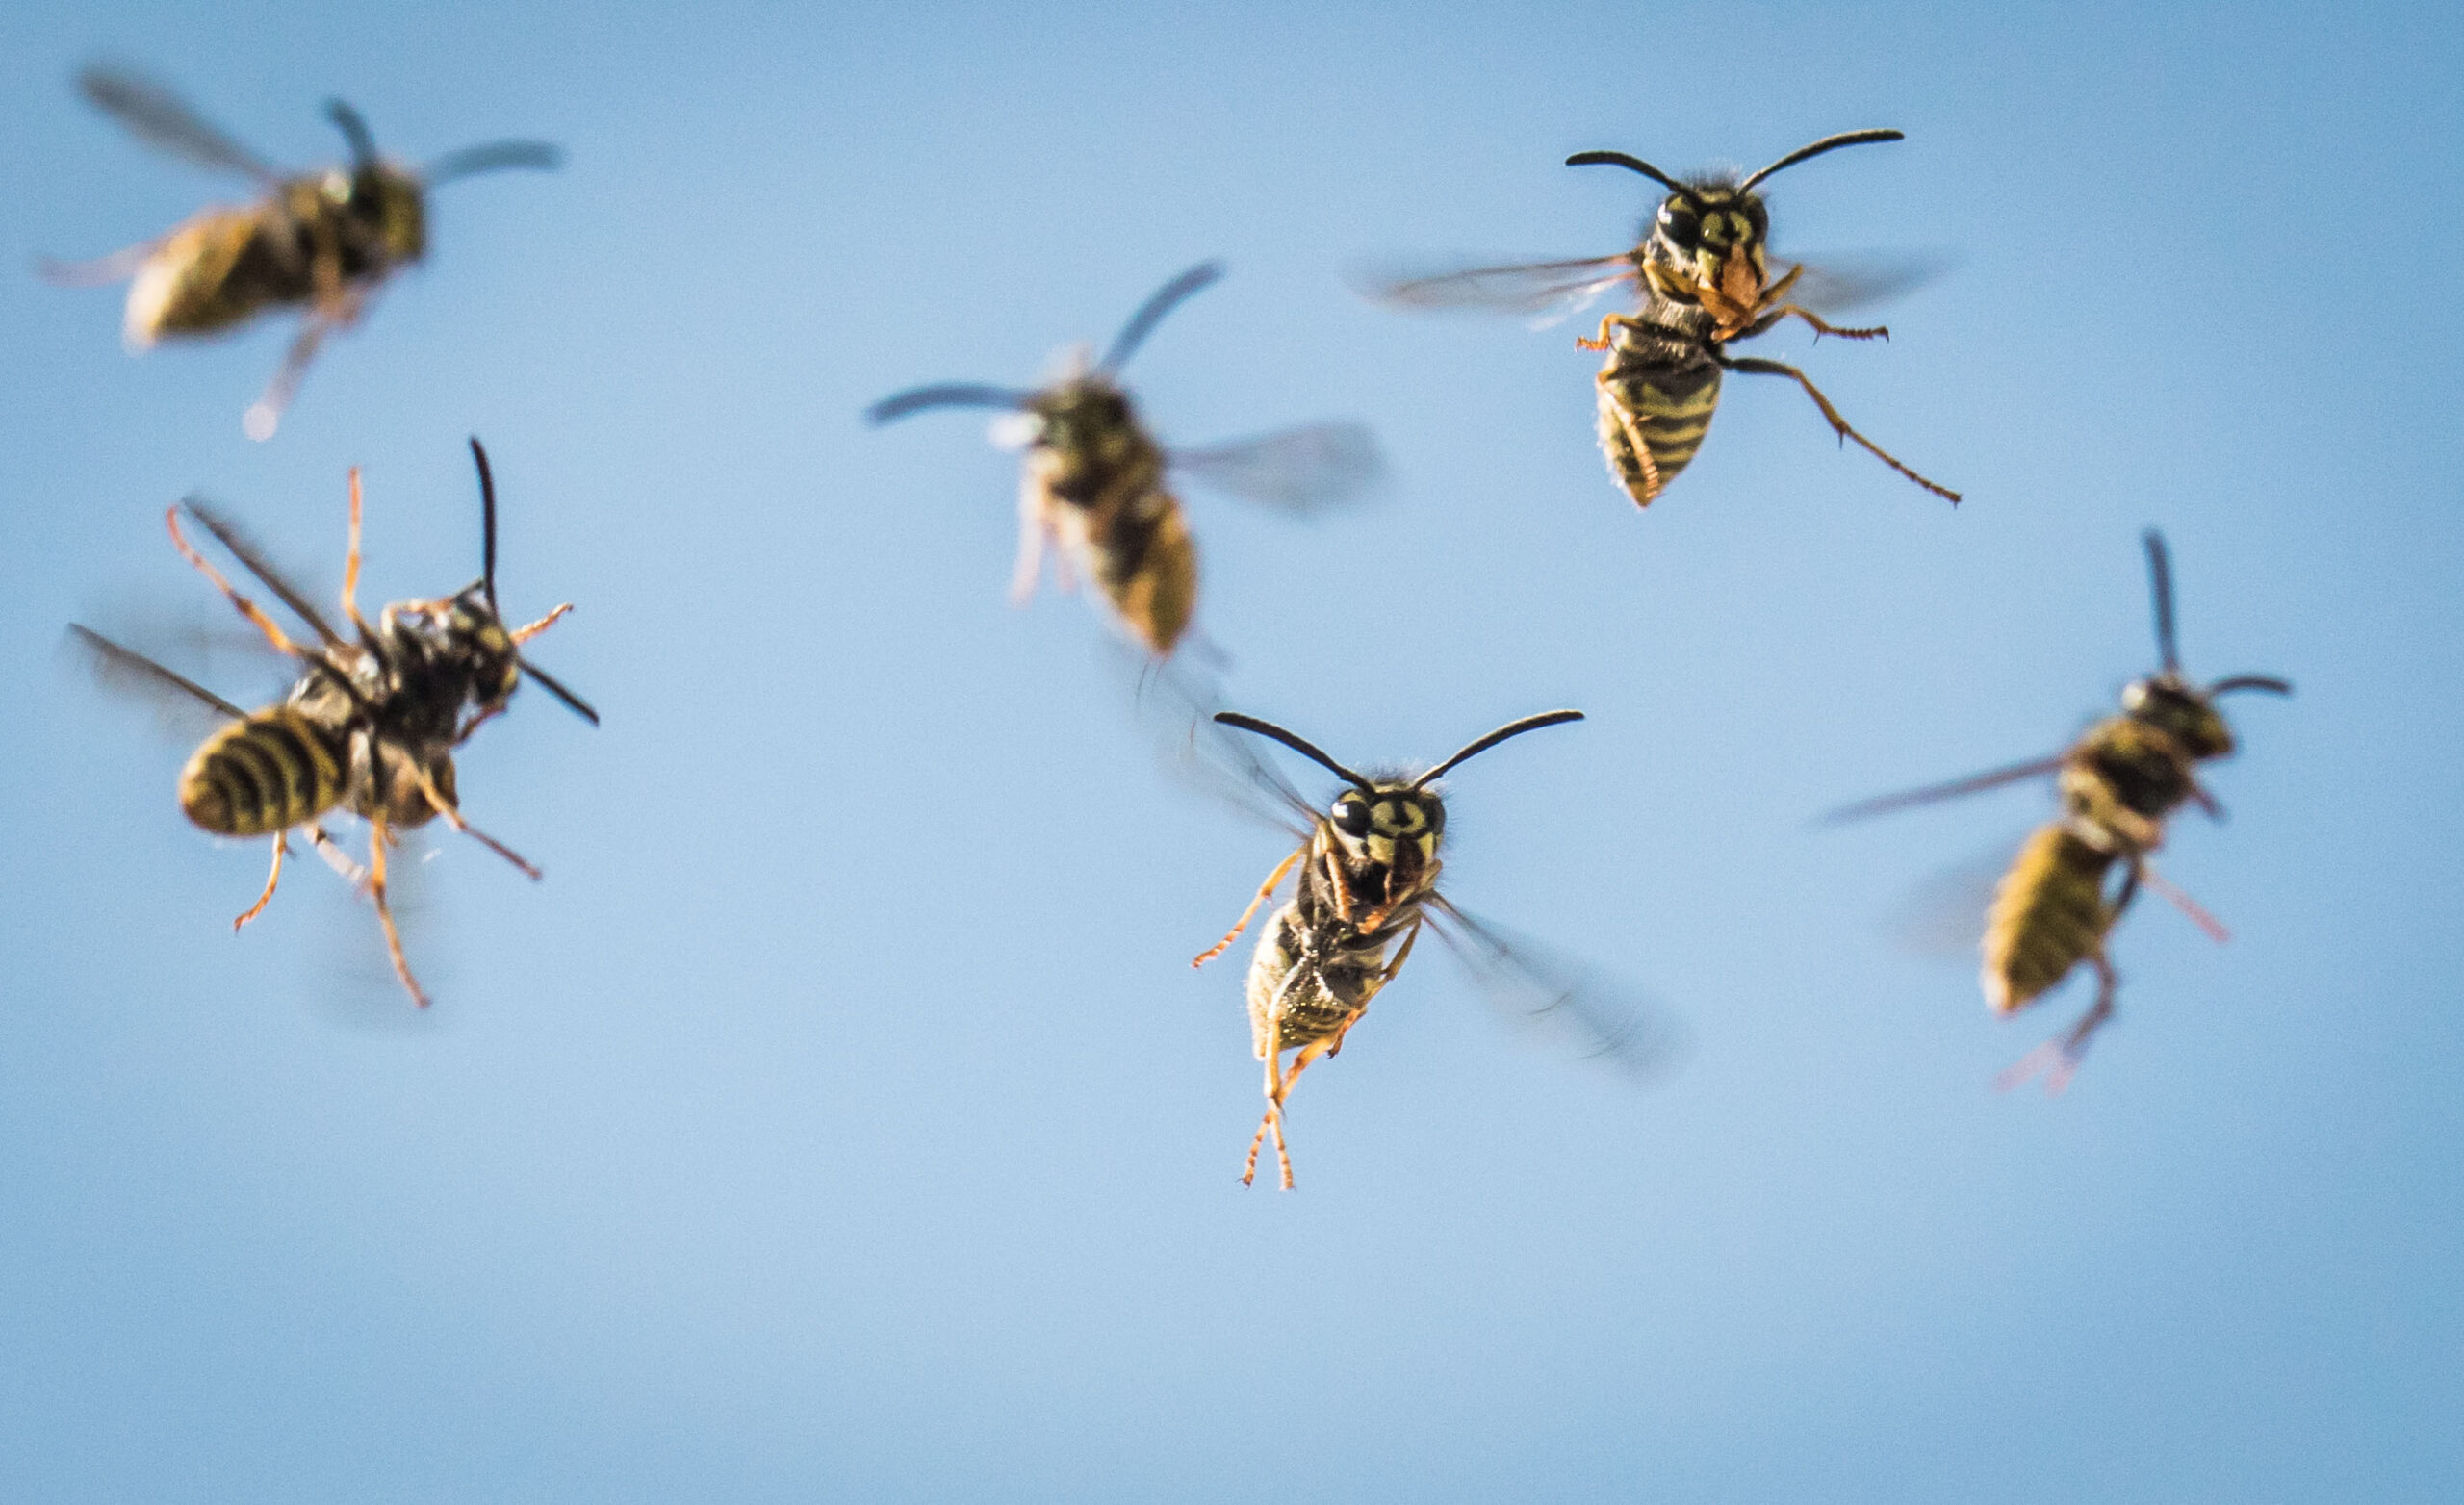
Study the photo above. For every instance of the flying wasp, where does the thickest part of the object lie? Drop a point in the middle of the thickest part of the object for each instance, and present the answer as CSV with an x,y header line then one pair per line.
x,y
372,721
2119,786
1368,870
321,242
1094,481
1702,273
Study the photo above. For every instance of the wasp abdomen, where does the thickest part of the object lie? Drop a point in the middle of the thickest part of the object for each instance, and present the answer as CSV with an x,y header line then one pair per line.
x,y
2049,915
275,770
1655,407
1147,565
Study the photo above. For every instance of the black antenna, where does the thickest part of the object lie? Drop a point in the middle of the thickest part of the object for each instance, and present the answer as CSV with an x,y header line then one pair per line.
x,y
1512,728
494,157
2267,682
946,394
1161,302
546,681
487,524
363,145
1267,728
1618,159
2160,584
1827,143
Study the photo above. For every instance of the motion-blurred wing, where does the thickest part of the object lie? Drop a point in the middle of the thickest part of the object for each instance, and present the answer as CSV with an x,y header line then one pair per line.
x,y
1941,916
1974,783
243,548
1845,283
185,708
1298,469
1541,291
1176,706
1604,1019
157,115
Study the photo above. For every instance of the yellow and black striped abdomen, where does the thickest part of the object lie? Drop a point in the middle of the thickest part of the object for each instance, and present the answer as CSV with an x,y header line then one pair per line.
x,y
1145,562
1655,409
272,771
2049,915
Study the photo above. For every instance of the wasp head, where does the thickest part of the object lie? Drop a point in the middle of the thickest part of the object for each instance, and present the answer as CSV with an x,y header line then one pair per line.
x,y
1389,825
2181,711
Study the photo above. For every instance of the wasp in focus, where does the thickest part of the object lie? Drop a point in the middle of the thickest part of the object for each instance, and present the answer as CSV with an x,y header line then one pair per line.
x,y
2072,878
321,242
1368,868
1702,275
1094,485
372,723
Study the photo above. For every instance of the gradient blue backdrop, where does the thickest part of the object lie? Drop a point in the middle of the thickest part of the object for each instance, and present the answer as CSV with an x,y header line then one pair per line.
x,y
842,1118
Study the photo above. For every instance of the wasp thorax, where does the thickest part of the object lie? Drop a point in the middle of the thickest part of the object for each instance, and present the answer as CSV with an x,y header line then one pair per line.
x,y
2181,712
1377,826
451,652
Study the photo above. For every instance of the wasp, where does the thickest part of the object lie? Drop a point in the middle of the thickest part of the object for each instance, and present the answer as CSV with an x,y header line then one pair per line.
x,y
2119,785
1369,869
1095,480
1702,274
372,721
320,242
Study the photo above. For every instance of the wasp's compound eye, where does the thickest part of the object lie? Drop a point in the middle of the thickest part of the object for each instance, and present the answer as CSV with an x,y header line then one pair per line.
x,y
1678,221
1351,815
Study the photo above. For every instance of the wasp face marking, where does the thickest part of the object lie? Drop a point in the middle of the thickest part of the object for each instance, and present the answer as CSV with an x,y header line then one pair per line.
x,y
1391,822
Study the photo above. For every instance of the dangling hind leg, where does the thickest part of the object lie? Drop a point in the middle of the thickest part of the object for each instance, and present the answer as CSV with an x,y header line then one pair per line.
x,y
2058,1058
385,910
281,845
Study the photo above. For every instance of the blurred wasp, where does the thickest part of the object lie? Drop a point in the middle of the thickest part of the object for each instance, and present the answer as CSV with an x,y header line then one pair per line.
x,y
325,242
2119,785
1368,868
370,727
1704,279
1094,481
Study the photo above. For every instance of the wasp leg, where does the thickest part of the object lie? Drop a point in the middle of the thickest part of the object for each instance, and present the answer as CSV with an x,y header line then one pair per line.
x,y
453,817
2213,926
337,858
385,910
2058,1058
1652,484
1033,530
264,415
281,845
1386,974
1272,1118
1265,890
525,634
1337,886
350,565
281,640
1821,328
1838,424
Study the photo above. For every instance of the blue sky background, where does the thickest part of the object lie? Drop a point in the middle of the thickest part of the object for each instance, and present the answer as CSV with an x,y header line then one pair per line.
x,y
841,1118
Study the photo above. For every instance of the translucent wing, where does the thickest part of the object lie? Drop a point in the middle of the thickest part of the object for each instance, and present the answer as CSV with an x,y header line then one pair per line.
x,y
1604,1019
157,115
1176,706
1546,291
185,708
1298,469
1956,788
1845,283
1941,916
243,548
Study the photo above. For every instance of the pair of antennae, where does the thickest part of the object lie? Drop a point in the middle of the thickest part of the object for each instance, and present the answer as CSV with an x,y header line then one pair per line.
x,y
488,583
2160,586
1133,334
1299,745
492,157
1618,159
